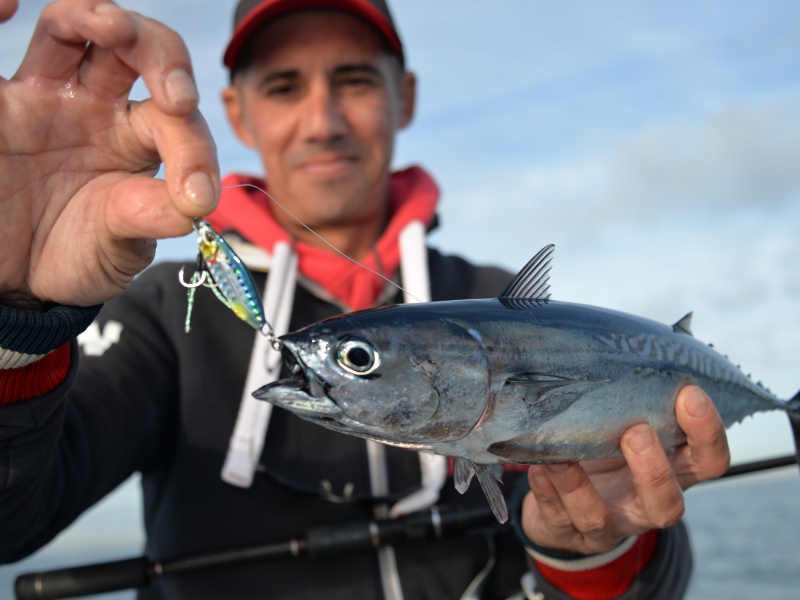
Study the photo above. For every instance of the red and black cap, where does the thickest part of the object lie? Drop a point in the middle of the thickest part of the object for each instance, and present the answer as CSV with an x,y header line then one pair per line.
x,y
251,15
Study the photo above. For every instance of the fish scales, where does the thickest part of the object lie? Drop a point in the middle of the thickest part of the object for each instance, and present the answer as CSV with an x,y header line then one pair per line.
x,y
514,379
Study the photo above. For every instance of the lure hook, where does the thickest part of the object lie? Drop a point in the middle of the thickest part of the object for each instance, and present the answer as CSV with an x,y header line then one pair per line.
x,y
195,282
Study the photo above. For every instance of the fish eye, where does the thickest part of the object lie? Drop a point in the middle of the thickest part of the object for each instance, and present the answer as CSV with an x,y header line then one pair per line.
x,y
210,237
357,356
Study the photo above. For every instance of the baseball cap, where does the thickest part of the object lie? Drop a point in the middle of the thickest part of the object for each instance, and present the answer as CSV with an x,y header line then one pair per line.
x,y
251,15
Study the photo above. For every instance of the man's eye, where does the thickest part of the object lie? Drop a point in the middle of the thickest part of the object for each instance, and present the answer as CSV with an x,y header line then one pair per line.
x,y
280,90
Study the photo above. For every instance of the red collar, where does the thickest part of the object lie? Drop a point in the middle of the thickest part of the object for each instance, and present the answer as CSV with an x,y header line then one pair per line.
x,y
412,197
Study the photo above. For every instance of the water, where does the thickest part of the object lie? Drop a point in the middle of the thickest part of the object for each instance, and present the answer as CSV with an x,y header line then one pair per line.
x,y
746,537
110,531
745,534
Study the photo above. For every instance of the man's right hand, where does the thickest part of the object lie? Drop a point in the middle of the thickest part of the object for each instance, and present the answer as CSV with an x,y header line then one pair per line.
x,y
79,208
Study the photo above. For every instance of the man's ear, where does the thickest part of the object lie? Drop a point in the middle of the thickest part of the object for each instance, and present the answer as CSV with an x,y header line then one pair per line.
x,y
408,98
234,108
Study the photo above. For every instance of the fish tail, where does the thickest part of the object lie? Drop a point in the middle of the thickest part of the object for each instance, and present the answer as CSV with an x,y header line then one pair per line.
x,y
793,410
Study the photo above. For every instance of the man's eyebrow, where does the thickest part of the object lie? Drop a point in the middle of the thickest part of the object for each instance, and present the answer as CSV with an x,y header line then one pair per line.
x,y
356,68
345,69
276,75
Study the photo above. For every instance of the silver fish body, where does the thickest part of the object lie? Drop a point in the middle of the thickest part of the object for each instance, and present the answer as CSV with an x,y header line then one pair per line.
x,y
520,379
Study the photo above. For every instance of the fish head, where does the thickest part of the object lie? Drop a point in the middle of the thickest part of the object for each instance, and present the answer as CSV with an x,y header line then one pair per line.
x,y
387,375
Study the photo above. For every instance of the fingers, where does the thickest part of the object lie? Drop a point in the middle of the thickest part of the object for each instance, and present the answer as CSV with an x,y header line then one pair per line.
x,y
660,494
188,152
706,454
58,44
571,510
155,52
123,46
140,208
571,513
7,9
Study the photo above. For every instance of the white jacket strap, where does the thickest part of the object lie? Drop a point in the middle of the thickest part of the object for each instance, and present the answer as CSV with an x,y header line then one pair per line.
x,y
249,433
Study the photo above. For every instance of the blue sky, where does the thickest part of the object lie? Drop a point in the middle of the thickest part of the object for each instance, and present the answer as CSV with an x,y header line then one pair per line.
x,y
655,143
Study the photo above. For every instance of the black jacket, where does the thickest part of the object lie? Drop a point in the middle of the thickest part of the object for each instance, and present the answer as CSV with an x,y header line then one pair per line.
x,y
163,402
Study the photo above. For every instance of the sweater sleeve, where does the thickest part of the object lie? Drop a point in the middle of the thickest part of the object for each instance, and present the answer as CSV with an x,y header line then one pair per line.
x,y
34,349
72,432
665,576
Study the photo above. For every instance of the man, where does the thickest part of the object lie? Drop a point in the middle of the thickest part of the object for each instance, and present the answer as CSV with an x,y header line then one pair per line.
x,y
320,90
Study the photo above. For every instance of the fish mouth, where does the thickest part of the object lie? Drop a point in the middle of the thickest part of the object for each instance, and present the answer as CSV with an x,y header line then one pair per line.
x,y
303,392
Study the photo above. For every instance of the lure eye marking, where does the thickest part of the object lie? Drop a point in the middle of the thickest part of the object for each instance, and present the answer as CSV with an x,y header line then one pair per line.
x,y
357,356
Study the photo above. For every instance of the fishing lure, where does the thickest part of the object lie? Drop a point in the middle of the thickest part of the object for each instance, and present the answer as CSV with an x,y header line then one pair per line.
x,y
220,268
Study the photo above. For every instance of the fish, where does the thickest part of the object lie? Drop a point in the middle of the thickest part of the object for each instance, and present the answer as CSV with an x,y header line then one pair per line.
x,y
520,378
221,269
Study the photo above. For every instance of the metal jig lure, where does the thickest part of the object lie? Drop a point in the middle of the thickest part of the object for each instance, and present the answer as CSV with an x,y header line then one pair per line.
x,y
220,268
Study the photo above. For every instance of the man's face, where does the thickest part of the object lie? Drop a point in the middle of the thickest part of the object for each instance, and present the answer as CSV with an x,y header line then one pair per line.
x,y
321,101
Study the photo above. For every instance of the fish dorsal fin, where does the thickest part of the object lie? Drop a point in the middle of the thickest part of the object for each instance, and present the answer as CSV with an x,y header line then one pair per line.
x,y
532,282
684,325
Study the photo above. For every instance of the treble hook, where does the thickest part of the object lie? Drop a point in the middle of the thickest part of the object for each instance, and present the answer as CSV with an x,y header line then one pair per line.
x,y
192,284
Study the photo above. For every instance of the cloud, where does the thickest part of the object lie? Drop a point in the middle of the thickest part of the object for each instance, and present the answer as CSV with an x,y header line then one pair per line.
x,y
739,159
709,176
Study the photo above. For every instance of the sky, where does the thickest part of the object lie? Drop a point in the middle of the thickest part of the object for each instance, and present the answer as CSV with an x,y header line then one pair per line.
x,y
655,143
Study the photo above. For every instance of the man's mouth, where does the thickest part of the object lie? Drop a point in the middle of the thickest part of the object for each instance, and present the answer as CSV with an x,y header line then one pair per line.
x,y
327,165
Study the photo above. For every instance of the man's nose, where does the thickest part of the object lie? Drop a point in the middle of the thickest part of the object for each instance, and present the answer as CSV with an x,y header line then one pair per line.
x,y
323,119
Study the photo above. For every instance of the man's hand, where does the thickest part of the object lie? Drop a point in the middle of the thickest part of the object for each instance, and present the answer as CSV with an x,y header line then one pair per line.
x,y
79,207
7,9
591,507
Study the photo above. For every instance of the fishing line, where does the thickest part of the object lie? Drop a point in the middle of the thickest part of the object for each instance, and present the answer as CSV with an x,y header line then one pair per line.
x,y
322,239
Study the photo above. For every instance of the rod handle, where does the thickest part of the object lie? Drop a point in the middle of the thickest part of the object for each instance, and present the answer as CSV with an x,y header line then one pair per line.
x,y
83,581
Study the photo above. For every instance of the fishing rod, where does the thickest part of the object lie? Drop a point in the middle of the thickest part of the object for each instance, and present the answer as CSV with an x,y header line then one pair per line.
x,y
317,543
758,465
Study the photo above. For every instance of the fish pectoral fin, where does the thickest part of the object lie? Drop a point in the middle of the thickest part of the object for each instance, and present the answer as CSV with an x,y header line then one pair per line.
x,y
548,382
541,381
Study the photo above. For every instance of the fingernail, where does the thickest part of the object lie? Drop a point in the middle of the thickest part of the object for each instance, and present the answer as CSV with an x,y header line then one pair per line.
x,y
197,188
559,467
180,87
105,9
538,479
696,403
641,441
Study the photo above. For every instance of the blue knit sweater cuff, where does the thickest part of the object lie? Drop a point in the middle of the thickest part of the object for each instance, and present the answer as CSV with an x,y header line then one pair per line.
x,y
27,335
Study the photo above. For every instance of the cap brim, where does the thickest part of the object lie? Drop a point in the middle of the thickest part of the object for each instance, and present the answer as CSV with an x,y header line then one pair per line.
x,y
272,9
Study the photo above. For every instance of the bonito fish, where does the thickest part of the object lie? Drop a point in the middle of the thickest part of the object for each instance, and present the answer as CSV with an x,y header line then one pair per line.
x,y
514,379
